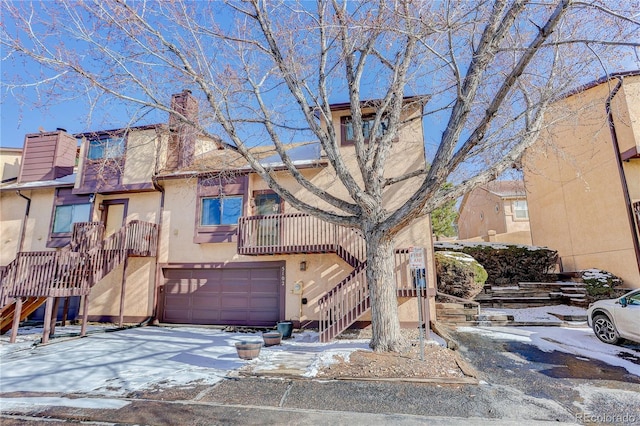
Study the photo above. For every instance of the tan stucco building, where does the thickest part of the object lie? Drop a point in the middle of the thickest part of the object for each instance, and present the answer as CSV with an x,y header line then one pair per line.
x,y
220,246
583,178
495,212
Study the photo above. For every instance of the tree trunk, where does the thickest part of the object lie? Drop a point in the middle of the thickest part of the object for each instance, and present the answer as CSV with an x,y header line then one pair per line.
x,y
384,301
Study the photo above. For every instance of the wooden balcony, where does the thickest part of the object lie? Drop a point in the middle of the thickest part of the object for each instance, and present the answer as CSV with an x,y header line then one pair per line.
x,y
299,233
73,270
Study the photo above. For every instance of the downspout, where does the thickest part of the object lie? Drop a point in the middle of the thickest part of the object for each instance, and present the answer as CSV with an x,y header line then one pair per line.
x,y
154,313
24,222
623,179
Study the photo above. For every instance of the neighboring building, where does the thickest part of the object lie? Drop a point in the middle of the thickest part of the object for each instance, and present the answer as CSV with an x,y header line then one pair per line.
x,y
583,179
496,212
9,164
176,229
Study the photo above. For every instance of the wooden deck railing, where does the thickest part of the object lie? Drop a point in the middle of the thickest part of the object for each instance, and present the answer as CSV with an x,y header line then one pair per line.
x,y
85,235
299,233
67,272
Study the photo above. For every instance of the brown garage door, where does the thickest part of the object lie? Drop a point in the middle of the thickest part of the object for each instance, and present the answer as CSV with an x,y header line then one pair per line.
x,y
222,296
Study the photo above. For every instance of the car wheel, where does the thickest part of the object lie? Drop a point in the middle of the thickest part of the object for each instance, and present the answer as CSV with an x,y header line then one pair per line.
x,y
605,330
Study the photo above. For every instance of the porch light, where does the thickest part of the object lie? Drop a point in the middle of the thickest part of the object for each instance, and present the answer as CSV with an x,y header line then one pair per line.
x,y
303,265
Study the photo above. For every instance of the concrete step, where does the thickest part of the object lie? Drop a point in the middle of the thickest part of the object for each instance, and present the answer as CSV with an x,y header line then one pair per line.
x,y
574,289
493,317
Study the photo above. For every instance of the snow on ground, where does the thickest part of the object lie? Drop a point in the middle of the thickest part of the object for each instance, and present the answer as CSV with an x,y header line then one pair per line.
x,y
119,362
577,341
541,313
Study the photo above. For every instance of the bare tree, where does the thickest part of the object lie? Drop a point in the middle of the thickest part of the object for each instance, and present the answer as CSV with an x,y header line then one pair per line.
x,y
267,70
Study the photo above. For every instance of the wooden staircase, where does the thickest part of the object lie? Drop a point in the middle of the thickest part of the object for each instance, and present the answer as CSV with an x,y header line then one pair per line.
x,y
297,233
34,277
29,306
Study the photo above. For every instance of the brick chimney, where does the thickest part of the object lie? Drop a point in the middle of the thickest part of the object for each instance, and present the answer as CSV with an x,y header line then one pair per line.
x,y
47,156
183,135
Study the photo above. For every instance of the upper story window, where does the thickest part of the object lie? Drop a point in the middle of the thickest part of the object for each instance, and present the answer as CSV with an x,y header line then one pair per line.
x,y
520,210
106,148
221,202
66,215
224,210
348,135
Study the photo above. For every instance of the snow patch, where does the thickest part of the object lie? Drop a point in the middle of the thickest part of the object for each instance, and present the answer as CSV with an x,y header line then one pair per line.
x,y
541,313
28,403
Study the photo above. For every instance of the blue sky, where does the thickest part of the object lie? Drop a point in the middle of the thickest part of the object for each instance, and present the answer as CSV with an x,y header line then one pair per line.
x,y
30,110
18,120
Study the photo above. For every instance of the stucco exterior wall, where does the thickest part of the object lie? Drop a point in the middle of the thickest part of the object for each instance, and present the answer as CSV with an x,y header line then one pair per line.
x,y
140,276
576,202
140,157
104,302
39,222
12,209
632,173
480,212
10,163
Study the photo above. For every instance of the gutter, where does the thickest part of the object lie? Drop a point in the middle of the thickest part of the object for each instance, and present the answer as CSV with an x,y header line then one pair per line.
x,y
623,179
24,222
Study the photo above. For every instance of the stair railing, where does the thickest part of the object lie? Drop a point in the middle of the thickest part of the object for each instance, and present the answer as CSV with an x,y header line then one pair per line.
x,y
68,272
341,306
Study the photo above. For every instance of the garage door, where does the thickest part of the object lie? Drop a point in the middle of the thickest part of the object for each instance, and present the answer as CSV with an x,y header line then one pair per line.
x,y
222,296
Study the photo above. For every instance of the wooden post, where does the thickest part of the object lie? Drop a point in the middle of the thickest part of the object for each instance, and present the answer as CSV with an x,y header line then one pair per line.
x,y
47,320
122,292
54,317
17,311
65,311
85,313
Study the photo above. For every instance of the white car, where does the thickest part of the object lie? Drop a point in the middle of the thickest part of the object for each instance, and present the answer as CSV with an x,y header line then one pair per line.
x,y
613,320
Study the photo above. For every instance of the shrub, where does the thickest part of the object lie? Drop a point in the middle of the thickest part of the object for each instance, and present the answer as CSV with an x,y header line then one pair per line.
x,y
508,263
459,274
600,284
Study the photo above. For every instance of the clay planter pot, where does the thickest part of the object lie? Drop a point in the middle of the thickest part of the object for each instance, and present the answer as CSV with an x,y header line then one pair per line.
x,y
272,338
248,350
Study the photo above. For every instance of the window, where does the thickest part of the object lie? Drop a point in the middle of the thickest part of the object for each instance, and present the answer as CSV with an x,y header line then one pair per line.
x,y
367,126
221,210
221,202
520,210
107,147
67,215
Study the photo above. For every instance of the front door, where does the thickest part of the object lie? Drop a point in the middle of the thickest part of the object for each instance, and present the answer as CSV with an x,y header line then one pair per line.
x,y
114,214
268,205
